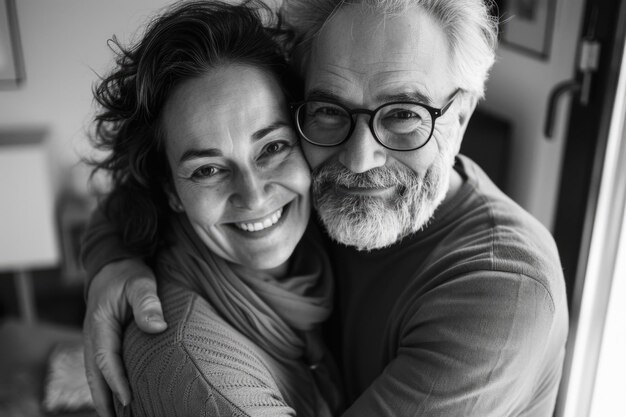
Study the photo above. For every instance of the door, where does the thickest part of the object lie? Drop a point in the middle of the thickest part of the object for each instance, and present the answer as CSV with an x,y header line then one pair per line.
x,y
557,176
590,205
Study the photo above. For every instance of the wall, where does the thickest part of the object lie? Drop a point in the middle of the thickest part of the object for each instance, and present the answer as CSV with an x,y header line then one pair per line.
x,y
518,90
64,46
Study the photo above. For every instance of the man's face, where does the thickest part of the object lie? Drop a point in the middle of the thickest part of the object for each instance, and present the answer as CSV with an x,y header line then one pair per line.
x,y
366,195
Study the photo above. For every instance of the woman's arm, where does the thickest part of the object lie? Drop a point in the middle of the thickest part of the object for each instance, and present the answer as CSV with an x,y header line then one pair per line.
x,y
200,366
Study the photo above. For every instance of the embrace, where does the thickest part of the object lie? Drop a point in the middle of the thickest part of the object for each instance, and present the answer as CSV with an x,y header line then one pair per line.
x,y
294,230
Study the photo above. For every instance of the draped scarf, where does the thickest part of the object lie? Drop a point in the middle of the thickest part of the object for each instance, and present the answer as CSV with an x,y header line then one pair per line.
x,y
276,314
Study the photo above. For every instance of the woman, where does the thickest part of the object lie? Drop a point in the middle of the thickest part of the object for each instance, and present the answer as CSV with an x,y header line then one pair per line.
x,y
205,163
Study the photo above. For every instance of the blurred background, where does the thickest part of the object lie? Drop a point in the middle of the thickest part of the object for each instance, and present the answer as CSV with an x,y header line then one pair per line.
x,y
550,133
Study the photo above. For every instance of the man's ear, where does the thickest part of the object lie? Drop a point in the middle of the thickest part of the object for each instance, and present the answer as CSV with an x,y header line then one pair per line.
x,y
173,199
468,106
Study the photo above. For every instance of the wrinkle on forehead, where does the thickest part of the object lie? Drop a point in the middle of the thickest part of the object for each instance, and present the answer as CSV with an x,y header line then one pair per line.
x,y
363,51
396,82
388,39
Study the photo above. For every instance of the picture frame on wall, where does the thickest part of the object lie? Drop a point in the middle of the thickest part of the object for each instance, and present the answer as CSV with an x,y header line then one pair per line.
x,y
527,25
11,58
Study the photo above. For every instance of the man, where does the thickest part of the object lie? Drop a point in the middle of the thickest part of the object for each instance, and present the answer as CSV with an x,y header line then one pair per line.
x,y
451,299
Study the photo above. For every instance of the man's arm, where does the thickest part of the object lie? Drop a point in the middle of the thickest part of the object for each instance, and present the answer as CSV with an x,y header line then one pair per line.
x,y
487,344
117,284
101,245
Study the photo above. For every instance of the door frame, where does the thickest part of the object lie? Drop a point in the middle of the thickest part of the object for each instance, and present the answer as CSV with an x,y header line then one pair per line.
x,y
590,201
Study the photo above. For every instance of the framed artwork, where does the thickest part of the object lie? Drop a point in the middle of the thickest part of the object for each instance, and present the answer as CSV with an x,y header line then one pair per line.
x,y
11,59
527,25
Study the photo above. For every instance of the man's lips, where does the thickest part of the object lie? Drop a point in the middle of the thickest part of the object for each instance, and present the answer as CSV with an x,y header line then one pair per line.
x,y
381,192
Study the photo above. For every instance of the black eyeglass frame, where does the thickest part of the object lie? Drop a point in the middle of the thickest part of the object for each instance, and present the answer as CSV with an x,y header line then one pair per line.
x,y
435,113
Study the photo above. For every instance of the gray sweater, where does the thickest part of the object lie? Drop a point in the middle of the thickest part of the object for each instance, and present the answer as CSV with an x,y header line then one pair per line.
x,y
202,366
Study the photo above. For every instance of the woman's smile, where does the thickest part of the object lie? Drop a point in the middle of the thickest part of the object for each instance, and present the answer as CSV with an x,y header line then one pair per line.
x,y
262,223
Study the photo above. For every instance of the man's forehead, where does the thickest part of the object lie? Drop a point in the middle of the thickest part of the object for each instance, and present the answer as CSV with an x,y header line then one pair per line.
x,y
365,34
363,50
380,87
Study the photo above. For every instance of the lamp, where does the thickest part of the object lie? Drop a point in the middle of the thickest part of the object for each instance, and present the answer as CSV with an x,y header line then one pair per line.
x,y
27,222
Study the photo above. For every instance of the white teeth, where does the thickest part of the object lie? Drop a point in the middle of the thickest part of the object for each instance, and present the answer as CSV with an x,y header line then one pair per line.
x,y
260,225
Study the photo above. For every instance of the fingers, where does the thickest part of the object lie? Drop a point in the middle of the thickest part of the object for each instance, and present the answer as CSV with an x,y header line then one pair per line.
x,y
106,354
141,294
100,392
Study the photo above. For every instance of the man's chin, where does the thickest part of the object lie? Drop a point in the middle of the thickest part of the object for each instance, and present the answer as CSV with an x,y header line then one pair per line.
x,y
368,222
365,223
361,242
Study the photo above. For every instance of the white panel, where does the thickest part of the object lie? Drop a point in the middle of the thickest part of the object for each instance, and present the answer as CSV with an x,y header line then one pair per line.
x,y
27,227
608,395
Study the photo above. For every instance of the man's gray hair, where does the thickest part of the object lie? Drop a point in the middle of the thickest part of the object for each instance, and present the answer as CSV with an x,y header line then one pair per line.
x,y
470,29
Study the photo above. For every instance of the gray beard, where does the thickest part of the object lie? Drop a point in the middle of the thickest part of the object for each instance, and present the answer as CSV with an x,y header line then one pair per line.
x,y
368,223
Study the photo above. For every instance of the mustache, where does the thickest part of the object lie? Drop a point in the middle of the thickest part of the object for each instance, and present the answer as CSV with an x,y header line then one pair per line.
x,y
336,174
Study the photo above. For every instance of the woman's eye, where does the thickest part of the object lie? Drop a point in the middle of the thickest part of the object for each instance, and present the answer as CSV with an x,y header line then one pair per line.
x,y
275,150
205,172
275,147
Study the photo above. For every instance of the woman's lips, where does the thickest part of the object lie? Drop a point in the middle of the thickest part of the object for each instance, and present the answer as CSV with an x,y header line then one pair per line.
x,y
262,223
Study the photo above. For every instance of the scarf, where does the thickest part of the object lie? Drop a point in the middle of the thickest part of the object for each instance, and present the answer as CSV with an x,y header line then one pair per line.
x,y
276,314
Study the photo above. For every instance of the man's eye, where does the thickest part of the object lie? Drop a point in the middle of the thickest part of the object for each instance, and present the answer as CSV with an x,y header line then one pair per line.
x,y
403,114
328,111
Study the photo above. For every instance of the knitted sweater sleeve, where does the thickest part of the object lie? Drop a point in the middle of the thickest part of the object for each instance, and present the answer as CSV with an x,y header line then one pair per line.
x,y
486,344
199,367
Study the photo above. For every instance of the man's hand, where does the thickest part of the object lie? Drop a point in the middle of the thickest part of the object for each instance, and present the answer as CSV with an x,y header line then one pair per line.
x,y
117,289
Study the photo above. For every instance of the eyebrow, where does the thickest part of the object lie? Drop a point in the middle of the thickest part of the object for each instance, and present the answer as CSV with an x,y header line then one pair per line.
x,y
413,95
261,133
199,153
214,152
407,96
321,94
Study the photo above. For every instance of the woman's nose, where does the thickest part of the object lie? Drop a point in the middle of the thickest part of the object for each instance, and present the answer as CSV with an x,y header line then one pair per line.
x,y
250,192
362,152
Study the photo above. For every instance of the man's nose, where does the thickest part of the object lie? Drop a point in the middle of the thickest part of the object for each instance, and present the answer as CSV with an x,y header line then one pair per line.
x,y
250,191
362,152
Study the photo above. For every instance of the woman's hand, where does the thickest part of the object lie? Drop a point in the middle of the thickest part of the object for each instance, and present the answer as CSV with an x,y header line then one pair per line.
x,y
117,289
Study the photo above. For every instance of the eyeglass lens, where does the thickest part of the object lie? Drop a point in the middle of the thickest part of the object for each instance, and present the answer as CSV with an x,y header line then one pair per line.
x,y
396,125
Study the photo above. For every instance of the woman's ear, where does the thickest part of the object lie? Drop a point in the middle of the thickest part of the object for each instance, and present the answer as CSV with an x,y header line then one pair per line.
x,y
173,199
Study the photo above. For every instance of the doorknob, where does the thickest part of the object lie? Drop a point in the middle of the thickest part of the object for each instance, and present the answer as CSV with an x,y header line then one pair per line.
x,y
562,88
587,65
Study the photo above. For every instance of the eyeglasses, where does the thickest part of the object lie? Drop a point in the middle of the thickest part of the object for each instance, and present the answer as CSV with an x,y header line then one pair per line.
x,y
398,125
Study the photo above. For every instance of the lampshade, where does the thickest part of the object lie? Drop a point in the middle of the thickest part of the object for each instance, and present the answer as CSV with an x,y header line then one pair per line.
x,y
27,222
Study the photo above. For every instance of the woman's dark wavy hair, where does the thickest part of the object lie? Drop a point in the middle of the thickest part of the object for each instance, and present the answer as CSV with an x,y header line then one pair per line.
x,y
186,41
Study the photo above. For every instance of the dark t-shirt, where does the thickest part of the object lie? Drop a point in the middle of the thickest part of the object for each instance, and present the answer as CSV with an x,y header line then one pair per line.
x,y
467,317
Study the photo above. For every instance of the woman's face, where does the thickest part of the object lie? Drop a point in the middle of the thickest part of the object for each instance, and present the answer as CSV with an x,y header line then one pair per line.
x,y
238,172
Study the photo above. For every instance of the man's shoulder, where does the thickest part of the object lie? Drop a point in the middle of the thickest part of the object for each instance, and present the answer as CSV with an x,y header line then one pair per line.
x,y
488,230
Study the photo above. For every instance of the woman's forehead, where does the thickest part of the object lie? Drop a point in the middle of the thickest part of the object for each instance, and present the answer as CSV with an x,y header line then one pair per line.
x,y
221,109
